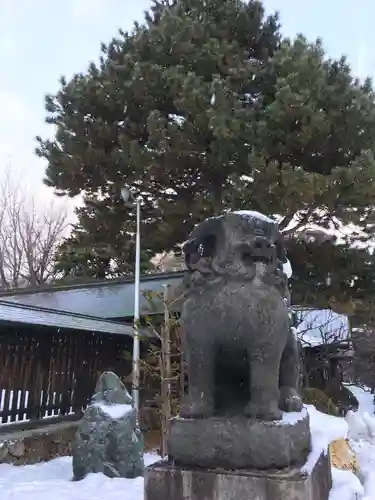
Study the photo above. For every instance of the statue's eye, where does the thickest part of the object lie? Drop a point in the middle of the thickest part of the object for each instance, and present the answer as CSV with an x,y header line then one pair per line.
x,y
247,257
207,246
245,254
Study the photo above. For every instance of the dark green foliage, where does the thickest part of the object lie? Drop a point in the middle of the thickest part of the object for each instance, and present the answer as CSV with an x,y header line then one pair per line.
x,y
97,249
329,275
206,108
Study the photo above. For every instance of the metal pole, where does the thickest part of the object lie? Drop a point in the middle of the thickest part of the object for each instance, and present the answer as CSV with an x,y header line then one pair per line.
x,y
166,374
136,347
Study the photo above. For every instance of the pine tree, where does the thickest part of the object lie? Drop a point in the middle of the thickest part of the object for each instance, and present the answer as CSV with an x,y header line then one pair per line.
x,y
146,116
205,108
96,249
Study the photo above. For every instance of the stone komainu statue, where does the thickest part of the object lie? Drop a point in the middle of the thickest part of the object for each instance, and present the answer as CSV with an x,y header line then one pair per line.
x,y
241,353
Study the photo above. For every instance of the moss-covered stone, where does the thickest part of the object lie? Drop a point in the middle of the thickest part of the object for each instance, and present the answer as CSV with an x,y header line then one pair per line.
x,y
108,439
320,400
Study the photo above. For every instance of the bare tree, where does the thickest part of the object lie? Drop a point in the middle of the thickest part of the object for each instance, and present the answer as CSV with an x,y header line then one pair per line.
x,y
318,327
29,236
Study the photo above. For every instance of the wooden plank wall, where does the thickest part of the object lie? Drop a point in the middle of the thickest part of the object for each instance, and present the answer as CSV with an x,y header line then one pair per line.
x,y
46,372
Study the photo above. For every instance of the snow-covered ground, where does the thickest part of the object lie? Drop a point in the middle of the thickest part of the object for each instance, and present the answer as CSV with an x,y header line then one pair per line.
x,y
364,398
53,479
360,430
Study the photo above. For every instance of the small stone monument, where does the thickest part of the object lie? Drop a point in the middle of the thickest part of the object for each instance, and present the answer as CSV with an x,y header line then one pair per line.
x,y
108,439
243,433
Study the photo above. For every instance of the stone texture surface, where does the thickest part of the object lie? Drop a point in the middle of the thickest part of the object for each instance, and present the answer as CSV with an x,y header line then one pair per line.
x,y
108,439
37,445
234,321
239,442
164,481
109,389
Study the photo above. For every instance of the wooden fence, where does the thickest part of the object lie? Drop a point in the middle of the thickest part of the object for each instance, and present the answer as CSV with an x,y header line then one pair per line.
x,y
45,372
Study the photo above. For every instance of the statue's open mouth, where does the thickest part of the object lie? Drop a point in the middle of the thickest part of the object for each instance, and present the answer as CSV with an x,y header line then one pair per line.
x,y
266,259
251,258
261,251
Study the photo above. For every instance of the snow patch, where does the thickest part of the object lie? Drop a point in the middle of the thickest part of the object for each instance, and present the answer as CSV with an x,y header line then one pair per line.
x,y
357,426
251,214
293,418
364,397
346,486
287,269
361,426
324,429
363,445
115,411
54,479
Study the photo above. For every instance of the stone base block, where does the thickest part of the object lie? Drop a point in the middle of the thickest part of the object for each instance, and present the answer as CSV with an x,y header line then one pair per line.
x,y
239,442
165,481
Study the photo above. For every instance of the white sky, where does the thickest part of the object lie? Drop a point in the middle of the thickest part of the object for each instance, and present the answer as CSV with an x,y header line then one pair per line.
x,y
43,39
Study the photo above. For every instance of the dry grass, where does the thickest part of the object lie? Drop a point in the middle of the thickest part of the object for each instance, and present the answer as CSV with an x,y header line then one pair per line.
x,y
152,440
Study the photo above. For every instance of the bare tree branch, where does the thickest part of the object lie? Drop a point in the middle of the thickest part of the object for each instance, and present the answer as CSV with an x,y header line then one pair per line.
x,y
29,236
316,327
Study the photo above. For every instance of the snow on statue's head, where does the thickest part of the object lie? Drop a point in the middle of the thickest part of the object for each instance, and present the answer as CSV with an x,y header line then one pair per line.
x,y
241,245
251,214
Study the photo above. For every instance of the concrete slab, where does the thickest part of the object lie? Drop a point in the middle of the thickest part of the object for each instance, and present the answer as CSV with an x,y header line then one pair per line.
x,y
165,481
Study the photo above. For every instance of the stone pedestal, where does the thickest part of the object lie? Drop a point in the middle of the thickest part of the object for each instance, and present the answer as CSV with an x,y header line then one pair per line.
x,y
240,442
166,481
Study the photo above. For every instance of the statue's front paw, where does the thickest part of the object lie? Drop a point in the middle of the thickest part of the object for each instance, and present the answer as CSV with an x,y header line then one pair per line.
x,y
263,411
290,400
196,410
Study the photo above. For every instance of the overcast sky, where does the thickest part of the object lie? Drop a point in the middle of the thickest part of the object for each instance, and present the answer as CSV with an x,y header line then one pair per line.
x,y
43,39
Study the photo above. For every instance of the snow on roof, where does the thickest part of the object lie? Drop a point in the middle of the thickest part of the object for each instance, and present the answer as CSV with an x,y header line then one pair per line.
x,y
321,326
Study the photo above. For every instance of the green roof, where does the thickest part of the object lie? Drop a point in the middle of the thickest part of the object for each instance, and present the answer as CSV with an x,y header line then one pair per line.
x,y
30,315
102,299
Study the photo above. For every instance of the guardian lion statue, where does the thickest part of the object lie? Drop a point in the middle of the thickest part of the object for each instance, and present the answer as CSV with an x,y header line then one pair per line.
x,y
241,353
